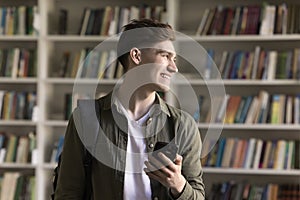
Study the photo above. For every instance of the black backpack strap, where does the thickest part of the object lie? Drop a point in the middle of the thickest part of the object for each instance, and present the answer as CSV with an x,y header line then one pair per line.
x,y
86,118
89,121
89,111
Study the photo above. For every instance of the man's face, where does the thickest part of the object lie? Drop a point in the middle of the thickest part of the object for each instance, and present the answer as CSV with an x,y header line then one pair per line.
x,y
159,65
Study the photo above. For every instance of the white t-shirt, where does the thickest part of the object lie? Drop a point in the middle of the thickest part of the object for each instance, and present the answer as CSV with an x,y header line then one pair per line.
x,y
136,182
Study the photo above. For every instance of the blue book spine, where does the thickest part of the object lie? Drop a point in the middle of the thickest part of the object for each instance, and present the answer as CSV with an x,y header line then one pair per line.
x,y
245,109
222,143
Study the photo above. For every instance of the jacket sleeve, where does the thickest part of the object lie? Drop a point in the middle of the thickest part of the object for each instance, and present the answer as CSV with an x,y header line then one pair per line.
x,y
71,178
190,149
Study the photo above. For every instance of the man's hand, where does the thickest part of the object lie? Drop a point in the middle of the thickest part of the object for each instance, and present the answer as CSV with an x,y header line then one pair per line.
x,y
168,173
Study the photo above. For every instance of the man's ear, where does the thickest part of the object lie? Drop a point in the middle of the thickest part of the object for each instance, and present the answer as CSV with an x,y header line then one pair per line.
x,y
135,55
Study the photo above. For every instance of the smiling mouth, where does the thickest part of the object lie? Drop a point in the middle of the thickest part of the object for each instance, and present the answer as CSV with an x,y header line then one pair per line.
x,y
166,76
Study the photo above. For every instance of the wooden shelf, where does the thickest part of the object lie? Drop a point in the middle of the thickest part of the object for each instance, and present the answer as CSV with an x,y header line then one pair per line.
x,y
243,38
283,127
17,123
239,171
18,80
79,81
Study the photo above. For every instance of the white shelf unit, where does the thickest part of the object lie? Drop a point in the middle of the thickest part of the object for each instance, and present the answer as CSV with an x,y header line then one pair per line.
x,y
191,12
184,16
19,127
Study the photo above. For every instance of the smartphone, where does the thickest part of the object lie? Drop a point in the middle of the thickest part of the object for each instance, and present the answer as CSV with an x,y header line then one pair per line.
x,y
169,149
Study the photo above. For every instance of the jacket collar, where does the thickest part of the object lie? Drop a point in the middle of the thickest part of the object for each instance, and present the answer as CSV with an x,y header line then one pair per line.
x,y
107,103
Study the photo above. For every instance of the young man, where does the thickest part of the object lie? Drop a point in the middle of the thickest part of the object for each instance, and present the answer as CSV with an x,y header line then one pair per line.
x,y
133,118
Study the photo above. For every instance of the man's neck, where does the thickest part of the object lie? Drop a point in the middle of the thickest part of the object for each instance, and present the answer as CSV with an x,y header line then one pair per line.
x,y
138,102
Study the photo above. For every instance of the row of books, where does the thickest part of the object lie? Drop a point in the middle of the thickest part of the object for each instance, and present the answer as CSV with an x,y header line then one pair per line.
x,y
18,62
262,108
17,105
18,148
110,20
90,63
263,19
15,185
17,20
243,190
253,153
257,64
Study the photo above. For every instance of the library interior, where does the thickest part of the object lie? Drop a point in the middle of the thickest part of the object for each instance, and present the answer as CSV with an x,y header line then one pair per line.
x,y
249,49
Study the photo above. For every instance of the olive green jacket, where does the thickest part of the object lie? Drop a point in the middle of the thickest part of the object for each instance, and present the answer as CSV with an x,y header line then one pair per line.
x,y
109,153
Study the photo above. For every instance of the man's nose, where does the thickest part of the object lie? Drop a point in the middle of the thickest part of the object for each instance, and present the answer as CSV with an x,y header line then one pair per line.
x,y
172,66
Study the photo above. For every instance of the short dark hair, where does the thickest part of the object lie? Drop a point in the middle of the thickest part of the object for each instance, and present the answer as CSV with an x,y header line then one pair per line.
x,y
148,32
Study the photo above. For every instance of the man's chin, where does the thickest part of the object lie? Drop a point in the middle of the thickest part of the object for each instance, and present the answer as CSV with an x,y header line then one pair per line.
x,y
163,88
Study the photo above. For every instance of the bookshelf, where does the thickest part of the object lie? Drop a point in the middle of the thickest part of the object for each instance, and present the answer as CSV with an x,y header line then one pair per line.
x,y
185,17
265,131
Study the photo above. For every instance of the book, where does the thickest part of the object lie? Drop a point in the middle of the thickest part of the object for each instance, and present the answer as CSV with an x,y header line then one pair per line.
x,y
255,62
236,20
209,21
258,153
262,114
266,156
268,20
202,22
217,22
228,21
271,67
262,64
75,64
197,114
19,185
289,154
252,112
97,21
209,64
253,22
220,153
237,153
228,150
232,108
280,154
2,95
102,64
11,148
246,73
239,110
288,118
263,154
221,113
64,64
228,66
90,23
111,64
15,63
63,21
250,153
221,66
113,26
244,18
85,20
9,184
281,71
22,150
245,109
107,18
